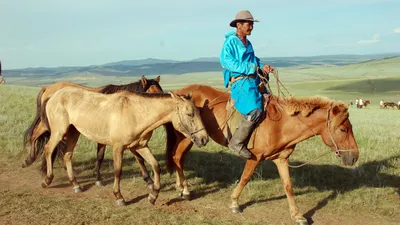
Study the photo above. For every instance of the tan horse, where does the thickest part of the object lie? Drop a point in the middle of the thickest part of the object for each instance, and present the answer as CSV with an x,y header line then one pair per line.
x,y
121,120
37,133
288,122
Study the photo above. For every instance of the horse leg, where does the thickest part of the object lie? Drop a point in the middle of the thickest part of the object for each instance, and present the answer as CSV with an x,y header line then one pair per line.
x,y
183,146
248,171
145,174
55,138
36,133
100,156
283,168
73,136
149,157
117,155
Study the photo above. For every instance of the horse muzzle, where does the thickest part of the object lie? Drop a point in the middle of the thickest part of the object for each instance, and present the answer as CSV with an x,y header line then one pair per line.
x,y
349,158
200,141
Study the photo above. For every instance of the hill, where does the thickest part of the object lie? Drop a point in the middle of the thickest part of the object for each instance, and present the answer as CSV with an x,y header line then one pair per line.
x,y
201,65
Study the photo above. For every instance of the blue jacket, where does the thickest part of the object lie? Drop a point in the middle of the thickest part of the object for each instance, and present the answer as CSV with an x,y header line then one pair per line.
x,y
239,60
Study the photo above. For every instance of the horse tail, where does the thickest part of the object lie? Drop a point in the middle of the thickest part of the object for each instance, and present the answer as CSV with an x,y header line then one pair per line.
x,y
60,148
29,132
171,141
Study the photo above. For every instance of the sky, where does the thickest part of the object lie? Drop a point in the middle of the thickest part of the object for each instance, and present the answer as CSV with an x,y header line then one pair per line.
x,y
51,33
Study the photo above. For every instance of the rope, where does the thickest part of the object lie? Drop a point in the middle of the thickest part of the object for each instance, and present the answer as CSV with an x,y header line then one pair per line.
x,y
312,160
265,81
208,104
337,150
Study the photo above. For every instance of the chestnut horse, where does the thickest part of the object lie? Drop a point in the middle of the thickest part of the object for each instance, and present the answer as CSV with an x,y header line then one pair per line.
x,y
127,120
390,104
288,122
37,134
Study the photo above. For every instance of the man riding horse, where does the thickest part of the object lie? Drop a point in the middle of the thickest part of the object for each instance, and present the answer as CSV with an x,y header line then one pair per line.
x,y
240,70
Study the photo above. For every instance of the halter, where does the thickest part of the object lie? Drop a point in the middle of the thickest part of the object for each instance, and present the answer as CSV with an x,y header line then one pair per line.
x,y
328,123
337,150
184,127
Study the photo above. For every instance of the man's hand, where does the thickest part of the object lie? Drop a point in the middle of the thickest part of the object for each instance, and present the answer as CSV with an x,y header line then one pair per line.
x,y
267,69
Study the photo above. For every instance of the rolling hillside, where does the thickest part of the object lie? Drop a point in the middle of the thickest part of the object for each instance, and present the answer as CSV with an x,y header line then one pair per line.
x,y
162,67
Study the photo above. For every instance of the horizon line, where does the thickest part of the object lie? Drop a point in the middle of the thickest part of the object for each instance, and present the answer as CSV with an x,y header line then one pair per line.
x,y
393,54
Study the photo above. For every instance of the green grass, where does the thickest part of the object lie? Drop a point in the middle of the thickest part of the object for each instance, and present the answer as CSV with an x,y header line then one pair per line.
x,y
325,191
369,189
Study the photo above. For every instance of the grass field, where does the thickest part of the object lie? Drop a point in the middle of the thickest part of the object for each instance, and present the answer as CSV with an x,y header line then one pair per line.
x,y
326,192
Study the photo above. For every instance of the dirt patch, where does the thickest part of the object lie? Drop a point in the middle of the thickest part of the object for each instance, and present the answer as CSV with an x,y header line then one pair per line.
x,y
24,201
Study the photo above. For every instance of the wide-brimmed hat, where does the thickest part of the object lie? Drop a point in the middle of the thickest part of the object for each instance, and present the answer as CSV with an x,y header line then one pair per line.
x,y
243,15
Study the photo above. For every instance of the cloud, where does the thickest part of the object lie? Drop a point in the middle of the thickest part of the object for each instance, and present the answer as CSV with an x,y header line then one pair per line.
x,y
375,39
396,30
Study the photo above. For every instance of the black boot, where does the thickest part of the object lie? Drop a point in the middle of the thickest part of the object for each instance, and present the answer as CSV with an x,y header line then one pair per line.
x,y
238,141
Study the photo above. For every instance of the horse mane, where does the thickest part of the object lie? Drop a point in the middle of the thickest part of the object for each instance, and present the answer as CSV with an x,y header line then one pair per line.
x,y
152,95
307,105
131,87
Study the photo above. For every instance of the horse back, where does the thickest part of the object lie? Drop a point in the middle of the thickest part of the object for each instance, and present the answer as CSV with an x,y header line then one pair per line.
x,y
53,88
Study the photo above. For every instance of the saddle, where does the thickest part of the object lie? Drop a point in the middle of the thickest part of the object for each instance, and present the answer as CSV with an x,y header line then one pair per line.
x,y
234,117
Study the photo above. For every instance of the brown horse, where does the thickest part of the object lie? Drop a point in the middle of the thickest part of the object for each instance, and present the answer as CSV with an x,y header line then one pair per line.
x,y
127,120
366,103
37,133
390,104
288,122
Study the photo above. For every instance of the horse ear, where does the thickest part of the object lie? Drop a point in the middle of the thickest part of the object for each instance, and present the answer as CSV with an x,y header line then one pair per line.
x,y
173,95
158,79
335,110
144,81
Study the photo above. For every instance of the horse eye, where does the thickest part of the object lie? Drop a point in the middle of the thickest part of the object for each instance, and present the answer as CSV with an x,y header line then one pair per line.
x,y
343,130
190,114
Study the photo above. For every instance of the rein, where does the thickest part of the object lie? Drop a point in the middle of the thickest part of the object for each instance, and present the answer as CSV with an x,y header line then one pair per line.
x,y
209,103
265,80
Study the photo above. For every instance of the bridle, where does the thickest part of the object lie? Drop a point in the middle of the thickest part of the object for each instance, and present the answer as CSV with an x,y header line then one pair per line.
x,y
328,124
181,124
336,148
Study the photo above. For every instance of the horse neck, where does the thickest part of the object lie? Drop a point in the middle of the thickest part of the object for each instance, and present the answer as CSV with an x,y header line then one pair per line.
x,y
295,129
212,106
214,116
157,110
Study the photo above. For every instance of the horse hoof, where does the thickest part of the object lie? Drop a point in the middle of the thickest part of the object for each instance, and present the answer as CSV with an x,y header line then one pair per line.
x,y
44,185
185,196
120,202
151,199
26,163
302,221
236,210
77,190
99,183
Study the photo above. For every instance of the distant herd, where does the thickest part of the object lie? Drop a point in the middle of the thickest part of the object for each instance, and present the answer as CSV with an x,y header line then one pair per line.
x,y
382,104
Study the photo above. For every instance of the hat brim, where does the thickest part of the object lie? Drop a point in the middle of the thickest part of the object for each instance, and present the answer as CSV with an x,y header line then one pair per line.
x,y
233,22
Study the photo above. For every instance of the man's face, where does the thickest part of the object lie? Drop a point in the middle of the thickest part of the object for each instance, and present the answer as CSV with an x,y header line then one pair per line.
x,y
245,27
